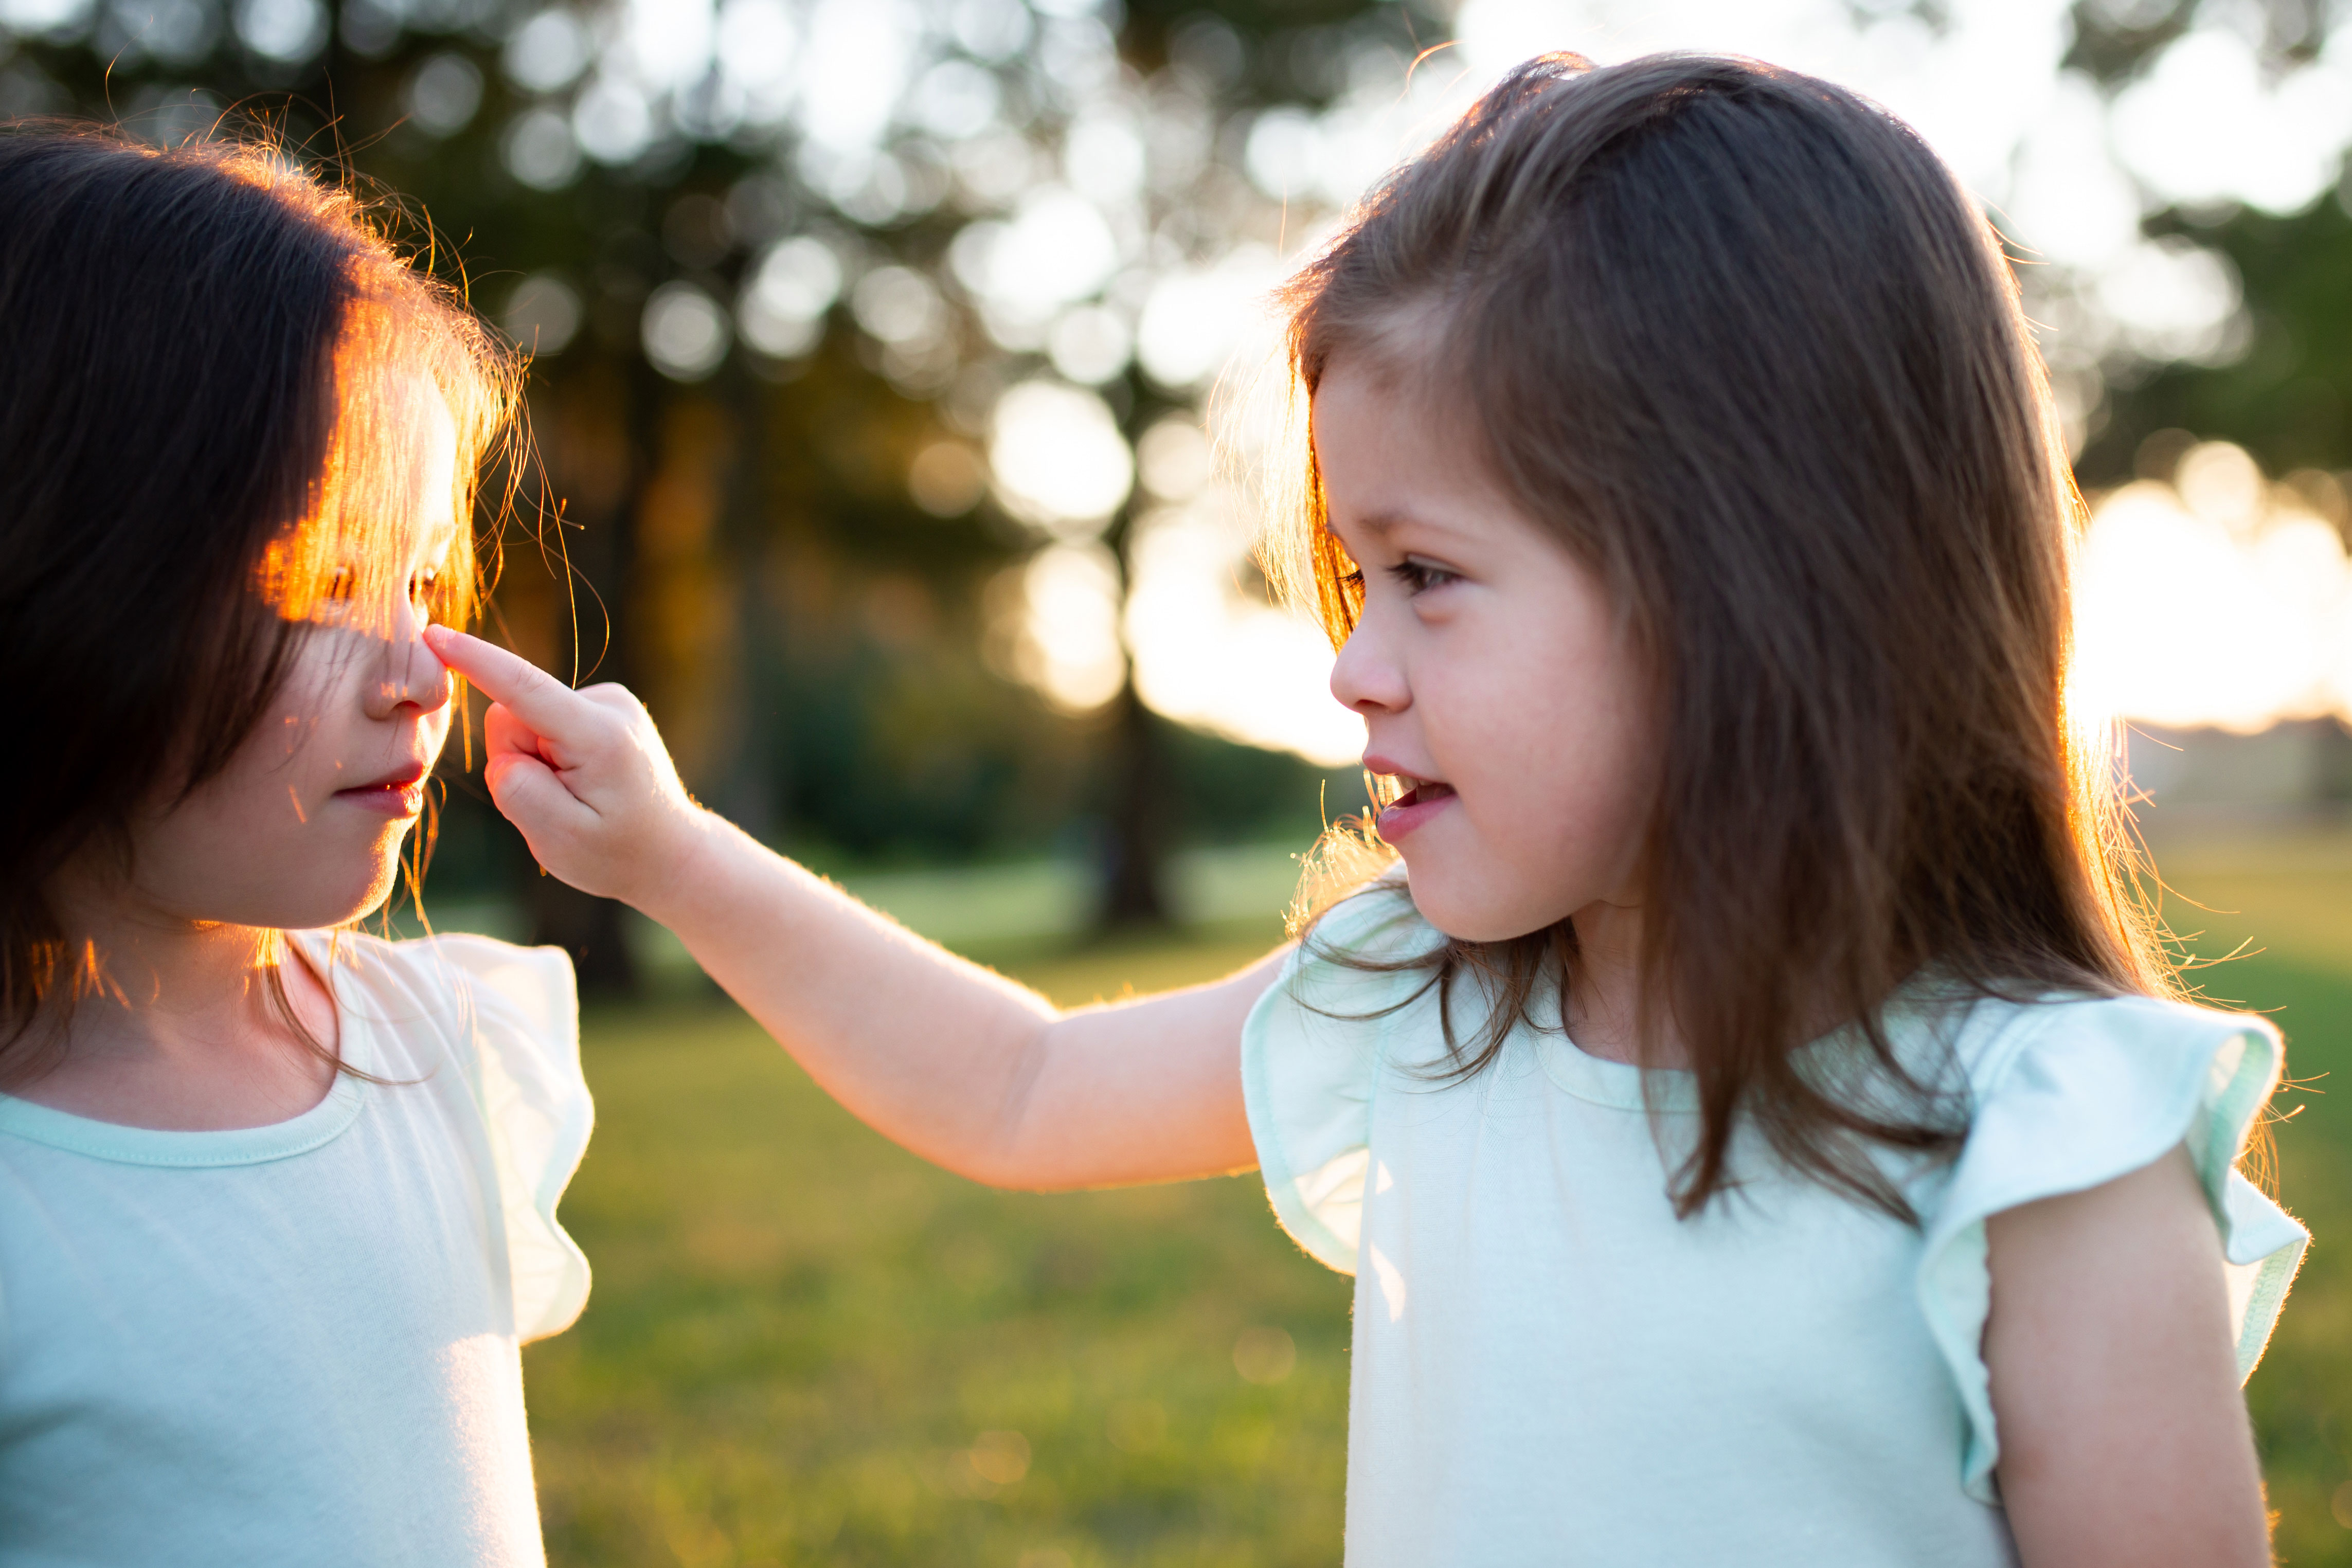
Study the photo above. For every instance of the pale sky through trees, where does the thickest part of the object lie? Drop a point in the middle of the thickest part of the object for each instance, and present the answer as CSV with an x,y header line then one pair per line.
x,y
1105,220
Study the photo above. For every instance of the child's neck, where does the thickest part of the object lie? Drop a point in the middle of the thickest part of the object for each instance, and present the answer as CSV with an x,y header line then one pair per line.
x,y
1604,1009
181,1031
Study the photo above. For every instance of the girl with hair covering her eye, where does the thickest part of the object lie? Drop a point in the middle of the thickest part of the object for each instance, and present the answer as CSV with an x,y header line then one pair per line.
x,y
277,1199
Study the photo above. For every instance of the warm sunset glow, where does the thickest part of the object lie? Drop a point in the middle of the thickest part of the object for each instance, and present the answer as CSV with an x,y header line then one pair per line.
x,y
2221,599
1210,651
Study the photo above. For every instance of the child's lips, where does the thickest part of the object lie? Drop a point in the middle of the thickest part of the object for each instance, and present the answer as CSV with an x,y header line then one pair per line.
x,y
1415,806
400,795
391,800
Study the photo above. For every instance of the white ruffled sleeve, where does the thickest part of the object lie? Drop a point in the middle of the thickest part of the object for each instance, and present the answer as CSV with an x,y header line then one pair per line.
x,y
524,1016
1311,1049
2069,1095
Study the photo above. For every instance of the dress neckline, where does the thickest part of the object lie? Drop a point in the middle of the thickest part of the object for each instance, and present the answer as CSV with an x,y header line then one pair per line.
x,y
298,1134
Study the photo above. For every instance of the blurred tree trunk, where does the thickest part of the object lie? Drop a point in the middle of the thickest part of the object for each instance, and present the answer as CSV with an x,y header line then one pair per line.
x,y
1136,848
589,928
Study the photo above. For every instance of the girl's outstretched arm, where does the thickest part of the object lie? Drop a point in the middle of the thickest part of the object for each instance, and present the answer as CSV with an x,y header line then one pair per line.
x,y
960,1065
2124,1437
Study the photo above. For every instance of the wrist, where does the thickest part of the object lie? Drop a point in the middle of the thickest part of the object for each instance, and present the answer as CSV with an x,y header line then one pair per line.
x,y
683,865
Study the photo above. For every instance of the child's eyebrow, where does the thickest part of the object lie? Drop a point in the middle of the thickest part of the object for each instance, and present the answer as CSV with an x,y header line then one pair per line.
x,y
1382,523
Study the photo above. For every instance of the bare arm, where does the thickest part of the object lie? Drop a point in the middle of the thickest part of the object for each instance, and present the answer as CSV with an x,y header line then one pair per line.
x,y
958,1064
2124,1437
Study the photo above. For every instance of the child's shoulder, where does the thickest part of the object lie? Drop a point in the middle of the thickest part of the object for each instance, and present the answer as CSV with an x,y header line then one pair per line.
x,y
2068,1093
1375,929
452,973
508,1018
494,1008
1360,961
2131,1046
1311,1049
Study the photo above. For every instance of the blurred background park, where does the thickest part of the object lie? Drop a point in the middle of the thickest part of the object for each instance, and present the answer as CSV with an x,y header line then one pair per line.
x,y
875,352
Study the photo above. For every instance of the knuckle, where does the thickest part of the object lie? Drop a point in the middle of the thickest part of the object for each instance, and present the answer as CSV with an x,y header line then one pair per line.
x,y
617,699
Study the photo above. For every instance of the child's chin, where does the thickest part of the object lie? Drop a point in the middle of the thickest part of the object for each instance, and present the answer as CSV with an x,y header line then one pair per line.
x,y
1469,914
339,901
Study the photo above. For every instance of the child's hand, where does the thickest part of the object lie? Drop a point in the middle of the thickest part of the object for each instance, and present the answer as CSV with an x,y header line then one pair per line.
x,y
582,773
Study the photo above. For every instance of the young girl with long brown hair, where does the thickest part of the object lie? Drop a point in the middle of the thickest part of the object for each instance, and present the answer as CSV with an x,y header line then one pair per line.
x,y
277,1199
1762,1122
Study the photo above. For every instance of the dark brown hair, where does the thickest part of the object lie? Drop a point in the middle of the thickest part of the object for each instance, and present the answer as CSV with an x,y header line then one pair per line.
x,y
205,348
1737,336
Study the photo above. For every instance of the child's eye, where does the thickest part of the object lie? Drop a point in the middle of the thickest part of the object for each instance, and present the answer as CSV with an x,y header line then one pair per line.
x,y
1421,576
422,583
335,595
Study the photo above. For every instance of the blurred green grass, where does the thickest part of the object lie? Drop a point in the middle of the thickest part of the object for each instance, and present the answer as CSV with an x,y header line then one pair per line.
x,y
2282,904
807,1346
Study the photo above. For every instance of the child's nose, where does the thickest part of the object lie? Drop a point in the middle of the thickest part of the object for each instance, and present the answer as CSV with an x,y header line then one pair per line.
x,y
414,682
1365,678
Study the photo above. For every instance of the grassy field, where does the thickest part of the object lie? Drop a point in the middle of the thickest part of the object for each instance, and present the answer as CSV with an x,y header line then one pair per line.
x,y
2284,903
805,1346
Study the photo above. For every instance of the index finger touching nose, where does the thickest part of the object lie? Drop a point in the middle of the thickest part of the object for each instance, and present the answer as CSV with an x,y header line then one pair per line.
x,y
530,692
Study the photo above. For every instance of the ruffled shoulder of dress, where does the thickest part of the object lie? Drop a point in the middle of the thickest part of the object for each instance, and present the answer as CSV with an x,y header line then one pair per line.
x,y
511,1018
1311,1052
2069,1094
